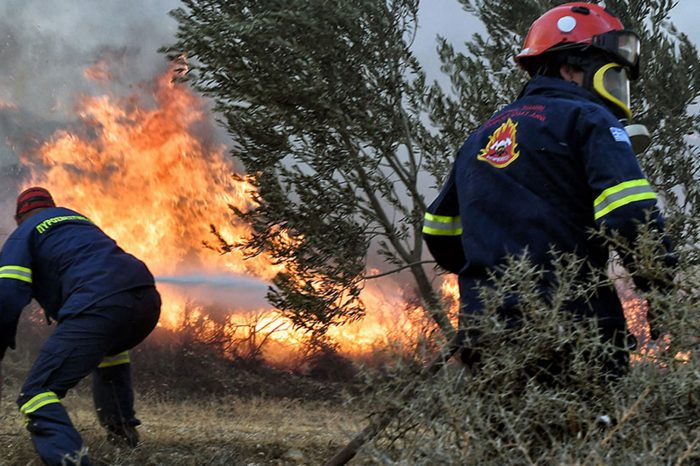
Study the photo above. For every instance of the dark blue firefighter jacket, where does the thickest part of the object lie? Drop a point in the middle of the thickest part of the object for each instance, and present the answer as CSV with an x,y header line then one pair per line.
x,y
65,262
541,173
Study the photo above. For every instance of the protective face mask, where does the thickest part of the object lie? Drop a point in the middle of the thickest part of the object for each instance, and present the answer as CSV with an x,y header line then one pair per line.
x,y
611,82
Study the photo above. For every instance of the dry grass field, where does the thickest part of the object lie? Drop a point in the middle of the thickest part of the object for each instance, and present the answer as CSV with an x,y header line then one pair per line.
x,y
220,431
197,408
201,408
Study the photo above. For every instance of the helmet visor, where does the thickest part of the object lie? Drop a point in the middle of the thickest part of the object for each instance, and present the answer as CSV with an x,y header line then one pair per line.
x,y
612,83
624,46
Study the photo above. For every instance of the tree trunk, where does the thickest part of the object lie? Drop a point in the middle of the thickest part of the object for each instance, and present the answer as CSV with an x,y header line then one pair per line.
x,y
432,304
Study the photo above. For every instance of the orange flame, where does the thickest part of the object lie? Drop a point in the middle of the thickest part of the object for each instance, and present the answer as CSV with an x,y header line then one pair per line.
x,y
148,181
636,309
151,183
98,72
150,177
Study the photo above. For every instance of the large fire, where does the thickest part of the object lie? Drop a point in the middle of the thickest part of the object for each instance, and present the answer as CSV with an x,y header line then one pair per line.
x,y
145,169
148,174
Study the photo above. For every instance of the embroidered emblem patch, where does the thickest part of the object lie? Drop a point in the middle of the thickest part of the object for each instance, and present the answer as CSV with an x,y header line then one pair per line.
x,y
501,150
620,135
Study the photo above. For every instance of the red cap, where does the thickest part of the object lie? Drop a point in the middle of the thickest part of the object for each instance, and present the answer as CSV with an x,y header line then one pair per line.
x,y
33,198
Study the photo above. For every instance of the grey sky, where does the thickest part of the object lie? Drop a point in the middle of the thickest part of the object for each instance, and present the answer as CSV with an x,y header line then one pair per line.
x,y
45,45
451,21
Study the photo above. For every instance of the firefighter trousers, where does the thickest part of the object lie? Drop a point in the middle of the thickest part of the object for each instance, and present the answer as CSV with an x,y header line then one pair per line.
x,y
96,341
603,308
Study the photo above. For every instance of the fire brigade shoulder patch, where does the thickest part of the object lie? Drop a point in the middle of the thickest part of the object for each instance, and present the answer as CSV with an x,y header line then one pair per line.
x,y
501,150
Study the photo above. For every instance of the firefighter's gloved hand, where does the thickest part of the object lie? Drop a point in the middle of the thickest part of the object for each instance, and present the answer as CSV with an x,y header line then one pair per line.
x,y
661,298
7,340
654,332
3,348
655,329
470,357
470,353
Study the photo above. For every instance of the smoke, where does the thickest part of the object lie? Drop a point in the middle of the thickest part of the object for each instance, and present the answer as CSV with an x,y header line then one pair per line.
x,y
46,48
46,45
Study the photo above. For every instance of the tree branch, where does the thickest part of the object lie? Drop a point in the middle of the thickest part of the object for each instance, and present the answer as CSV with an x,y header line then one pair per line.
x,y
383,274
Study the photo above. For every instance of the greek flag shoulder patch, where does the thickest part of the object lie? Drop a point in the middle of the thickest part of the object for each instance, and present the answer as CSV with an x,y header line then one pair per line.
x,y
620,135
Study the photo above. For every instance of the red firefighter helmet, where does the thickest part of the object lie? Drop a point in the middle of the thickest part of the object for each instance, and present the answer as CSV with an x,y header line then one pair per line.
x,y
577,25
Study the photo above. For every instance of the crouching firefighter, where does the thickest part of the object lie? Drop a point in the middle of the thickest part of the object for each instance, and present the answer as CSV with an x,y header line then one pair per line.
x,y
104,302
552,166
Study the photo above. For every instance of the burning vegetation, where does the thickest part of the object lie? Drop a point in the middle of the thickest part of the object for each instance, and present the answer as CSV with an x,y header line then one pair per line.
x,y
148,170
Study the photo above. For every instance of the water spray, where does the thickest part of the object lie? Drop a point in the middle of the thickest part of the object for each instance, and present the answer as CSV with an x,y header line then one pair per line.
x,y
220,280
222,290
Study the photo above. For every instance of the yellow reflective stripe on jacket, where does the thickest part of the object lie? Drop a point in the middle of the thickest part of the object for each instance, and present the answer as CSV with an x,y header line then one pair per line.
x,y
16,272
622,194
441,225
42,399
121,358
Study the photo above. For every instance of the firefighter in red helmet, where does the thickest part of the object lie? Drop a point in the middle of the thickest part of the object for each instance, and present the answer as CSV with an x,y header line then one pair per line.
x,y
593,42
549,168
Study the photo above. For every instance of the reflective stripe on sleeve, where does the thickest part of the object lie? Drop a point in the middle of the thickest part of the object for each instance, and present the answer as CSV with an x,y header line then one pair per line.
x,y
440,225
117,359
16,272
621,195
42,399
